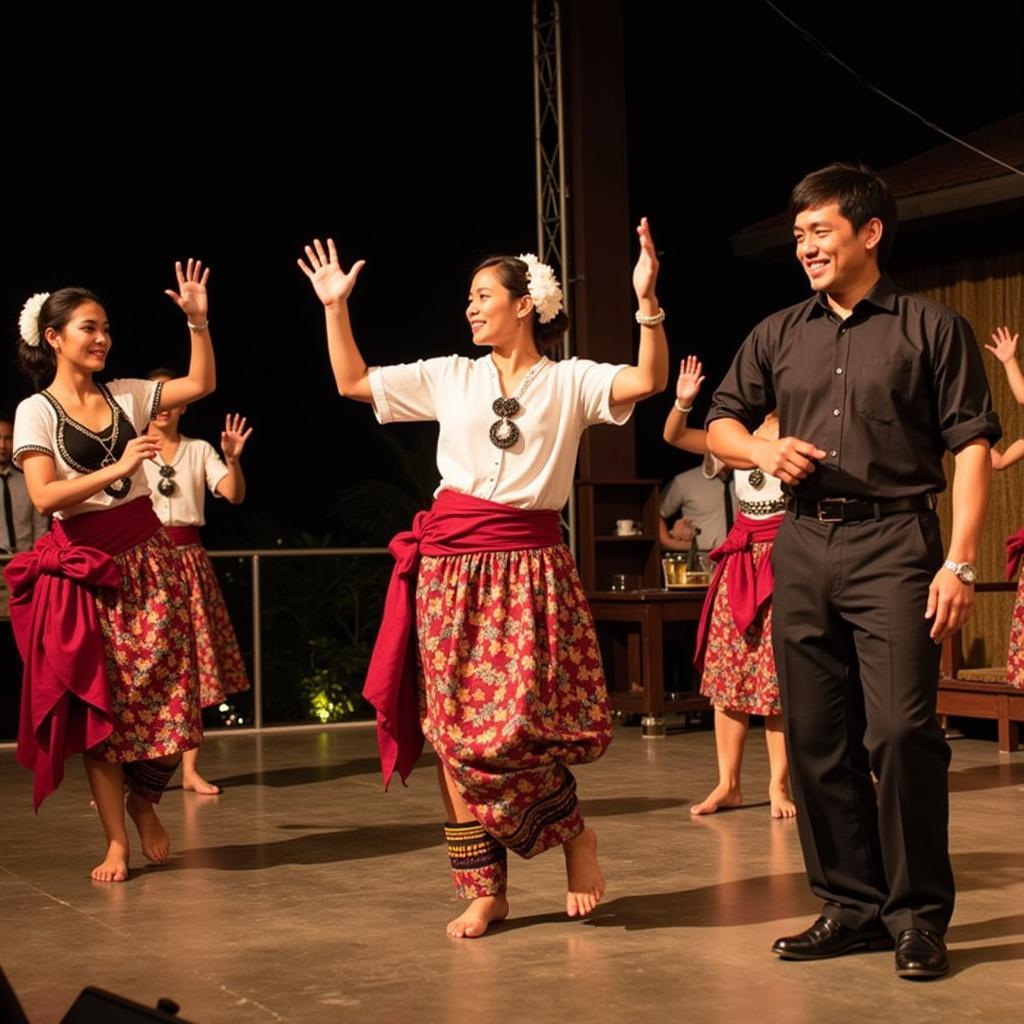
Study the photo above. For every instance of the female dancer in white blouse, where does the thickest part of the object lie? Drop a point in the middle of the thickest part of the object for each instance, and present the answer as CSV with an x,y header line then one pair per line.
x,y
179,476
98,606
511,689
734,642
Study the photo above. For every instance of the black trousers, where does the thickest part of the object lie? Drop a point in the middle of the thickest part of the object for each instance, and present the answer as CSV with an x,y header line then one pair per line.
x,y
859,679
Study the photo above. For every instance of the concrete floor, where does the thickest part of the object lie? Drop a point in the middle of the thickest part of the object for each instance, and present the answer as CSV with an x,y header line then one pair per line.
x,y
306,894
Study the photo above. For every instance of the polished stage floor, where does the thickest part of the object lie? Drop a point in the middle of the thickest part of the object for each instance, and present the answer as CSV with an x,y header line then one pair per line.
x,y
303,893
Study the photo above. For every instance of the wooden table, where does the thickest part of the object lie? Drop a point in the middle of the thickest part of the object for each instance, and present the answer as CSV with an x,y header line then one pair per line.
x,y
648,611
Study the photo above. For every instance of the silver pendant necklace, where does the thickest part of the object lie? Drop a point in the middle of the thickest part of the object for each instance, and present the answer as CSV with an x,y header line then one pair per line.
x,y
504,433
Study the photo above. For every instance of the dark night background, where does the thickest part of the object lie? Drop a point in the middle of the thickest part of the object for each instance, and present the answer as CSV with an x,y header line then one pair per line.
x,y
138,134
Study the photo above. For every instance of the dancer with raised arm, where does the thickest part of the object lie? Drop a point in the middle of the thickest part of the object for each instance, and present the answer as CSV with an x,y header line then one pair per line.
x,y
485,601
178,477
99,607
734,641
1004,348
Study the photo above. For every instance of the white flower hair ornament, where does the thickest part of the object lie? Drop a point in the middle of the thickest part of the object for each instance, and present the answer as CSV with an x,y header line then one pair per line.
x,y
28,319
544,288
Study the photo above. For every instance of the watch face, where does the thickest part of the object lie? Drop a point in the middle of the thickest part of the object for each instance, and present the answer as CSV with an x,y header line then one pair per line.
x,y
968,573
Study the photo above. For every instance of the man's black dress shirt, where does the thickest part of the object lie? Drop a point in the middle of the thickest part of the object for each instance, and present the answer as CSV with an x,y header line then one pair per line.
x,y
885,392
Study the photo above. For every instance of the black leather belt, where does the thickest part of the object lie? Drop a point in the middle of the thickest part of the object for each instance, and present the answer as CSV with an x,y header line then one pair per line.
x,y
855,510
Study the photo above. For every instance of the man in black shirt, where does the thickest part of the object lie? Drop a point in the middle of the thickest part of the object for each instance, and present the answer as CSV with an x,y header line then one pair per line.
x,y
872,385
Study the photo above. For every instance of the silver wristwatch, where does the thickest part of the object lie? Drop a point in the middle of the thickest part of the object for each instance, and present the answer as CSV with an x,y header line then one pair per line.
x,y
965,572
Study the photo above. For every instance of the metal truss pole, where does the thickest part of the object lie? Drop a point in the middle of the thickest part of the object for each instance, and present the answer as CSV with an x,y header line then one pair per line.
x,y
549,137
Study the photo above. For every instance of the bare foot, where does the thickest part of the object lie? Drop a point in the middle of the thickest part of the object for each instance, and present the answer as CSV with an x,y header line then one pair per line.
x,y
115,865
722,797
156,843
474,920
586,883
782,806
198,784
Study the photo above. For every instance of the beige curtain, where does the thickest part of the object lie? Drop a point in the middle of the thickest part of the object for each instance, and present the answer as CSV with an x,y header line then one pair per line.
x,y
988,293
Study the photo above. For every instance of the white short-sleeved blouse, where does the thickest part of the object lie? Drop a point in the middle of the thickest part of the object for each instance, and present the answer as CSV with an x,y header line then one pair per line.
x,y
195,463
40,427
561,400
769,491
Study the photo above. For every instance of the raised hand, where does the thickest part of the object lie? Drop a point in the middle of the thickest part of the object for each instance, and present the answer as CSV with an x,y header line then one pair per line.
x,y
691,376
330,282
233,437
1005,347
645,273
191,295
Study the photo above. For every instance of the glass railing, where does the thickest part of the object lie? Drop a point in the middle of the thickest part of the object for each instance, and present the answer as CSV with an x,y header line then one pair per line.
x,y
305,618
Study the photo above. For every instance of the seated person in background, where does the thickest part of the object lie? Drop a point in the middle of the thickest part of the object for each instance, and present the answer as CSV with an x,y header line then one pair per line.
x,y
699,497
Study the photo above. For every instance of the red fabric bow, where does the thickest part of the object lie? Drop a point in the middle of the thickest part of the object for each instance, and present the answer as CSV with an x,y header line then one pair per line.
x,y
1014,552
749,589
65,701
456,524
65,694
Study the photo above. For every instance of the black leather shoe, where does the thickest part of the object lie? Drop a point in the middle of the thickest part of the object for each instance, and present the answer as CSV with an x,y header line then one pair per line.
x,y
921,954
827,938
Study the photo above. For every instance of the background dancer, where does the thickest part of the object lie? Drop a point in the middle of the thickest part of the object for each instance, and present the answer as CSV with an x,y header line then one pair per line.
x,y
178,478
1004,348
734,643
511,688
99,607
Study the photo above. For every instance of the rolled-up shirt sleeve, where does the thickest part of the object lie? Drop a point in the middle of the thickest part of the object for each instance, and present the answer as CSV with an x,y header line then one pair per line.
x,y
747,392
962,398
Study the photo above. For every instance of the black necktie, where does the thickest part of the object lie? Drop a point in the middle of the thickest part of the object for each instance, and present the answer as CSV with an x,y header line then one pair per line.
x,y
8,514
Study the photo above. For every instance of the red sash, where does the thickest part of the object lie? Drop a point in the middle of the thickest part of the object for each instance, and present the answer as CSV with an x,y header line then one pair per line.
x,y
183,536
1014,551
749,589
65,694
456,524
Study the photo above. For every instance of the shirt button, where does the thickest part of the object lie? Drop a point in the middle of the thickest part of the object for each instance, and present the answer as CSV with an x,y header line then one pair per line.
x,y
839,369
835,412
833,453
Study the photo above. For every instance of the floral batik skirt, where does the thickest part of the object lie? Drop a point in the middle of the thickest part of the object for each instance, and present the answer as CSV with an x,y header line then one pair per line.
x,y
1015,656
221,668
739,668
511,688
147,637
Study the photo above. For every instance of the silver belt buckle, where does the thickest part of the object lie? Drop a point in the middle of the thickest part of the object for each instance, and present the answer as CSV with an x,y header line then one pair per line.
x,y
823,514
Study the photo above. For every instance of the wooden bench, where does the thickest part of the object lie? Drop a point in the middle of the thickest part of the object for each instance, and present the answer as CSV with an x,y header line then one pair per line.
x,y
980,692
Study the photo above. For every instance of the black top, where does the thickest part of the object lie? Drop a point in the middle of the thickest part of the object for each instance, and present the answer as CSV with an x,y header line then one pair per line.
x,y
885,392
85,450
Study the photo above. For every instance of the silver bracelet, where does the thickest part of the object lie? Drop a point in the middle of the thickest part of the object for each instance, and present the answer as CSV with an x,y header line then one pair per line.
x,y
682,409
204,326
650,321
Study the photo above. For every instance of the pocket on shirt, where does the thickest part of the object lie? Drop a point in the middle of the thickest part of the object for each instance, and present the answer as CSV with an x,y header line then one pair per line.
x,y
882,387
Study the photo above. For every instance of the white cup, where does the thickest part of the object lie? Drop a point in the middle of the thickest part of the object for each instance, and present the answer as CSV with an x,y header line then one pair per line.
x,y
625,527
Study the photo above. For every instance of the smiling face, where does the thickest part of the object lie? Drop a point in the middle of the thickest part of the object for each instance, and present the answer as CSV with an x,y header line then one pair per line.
x,y
84,341
837,259
495,316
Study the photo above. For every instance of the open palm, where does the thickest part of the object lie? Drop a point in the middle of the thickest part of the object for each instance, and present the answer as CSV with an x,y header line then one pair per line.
x,y
1005,347
691,376
191,297
325,273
